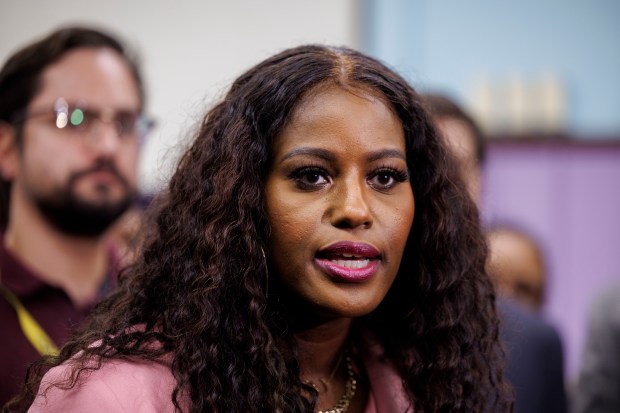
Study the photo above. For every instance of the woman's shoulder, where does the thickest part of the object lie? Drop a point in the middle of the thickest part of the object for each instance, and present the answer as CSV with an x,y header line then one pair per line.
x,y
119,385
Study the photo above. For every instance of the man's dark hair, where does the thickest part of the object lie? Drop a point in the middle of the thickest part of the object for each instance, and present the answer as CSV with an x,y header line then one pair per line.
x,y
442,107
20,78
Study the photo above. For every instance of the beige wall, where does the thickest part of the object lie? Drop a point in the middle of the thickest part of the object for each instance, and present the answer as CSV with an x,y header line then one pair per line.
x,y
190,49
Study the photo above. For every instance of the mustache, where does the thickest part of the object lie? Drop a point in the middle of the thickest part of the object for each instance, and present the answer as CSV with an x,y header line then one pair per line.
x,y
101,165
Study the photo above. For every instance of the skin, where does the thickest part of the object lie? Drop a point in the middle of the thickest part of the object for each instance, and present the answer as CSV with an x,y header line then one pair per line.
x,y
461,141
49,157
100,78
335,177
517,265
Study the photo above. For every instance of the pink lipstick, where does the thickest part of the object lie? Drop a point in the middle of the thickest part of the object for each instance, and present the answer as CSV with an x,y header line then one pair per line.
x,y
349,261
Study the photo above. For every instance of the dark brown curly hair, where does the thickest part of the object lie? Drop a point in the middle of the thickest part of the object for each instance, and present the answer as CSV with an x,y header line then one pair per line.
x,y
199,288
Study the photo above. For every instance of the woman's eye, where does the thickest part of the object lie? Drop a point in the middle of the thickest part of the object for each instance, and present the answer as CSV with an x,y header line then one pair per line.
x,y
387,179
310,178
384,179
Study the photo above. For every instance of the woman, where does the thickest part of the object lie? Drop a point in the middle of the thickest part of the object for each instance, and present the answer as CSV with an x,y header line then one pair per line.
x,y
315,251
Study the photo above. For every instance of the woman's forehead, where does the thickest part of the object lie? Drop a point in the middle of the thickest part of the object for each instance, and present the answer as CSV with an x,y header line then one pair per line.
x,y
337,116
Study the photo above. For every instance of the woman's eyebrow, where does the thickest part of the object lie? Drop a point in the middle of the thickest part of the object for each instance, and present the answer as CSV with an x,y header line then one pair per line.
x,y
328,156
386,153
308,151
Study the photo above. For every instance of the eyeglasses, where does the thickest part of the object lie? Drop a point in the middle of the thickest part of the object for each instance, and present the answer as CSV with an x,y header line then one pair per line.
x,y
80,120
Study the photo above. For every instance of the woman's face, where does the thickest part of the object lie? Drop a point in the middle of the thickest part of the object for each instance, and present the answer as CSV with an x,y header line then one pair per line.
x,y
339,203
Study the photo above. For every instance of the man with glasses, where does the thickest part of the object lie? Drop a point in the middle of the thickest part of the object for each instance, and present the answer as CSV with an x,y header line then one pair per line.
x,y
71,123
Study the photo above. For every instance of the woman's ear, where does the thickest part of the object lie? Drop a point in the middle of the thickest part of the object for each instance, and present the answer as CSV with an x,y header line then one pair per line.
x,y
8,151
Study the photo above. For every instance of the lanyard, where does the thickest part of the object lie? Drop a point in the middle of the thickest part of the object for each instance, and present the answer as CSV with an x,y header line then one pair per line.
x,y
31,329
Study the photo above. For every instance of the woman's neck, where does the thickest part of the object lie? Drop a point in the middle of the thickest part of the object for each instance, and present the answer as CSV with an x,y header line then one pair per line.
x,y
320,346
321,359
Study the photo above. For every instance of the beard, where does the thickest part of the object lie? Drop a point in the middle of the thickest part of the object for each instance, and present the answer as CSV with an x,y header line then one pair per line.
x,y
72,215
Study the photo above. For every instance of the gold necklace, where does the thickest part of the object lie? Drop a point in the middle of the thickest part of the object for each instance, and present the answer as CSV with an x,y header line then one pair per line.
x,y
324,382
349,390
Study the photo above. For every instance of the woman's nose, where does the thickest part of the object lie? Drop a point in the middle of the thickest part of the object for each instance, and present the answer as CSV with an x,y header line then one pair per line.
x,y
349,207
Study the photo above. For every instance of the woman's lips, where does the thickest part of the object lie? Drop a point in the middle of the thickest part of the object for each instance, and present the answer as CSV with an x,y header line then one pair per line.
x,y
349,261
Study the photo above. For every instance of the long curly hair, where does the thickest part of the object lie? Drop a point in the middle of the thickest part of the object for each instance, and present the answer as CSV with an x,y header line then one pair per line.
x,y
199,290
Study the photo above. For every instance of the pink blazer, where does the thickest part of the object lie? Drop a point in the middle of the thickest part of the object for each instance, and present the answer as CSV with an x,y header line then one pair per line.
x,y
146,387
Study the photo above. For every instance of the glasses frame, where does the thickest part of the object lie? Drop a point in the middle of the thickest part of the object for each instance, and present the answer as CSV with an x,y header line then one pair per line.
x,y
70,116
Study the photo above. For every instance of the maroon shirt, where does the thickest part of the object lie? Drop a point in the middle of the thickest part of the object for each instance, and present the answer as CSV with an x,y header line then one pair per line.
x,y
50,307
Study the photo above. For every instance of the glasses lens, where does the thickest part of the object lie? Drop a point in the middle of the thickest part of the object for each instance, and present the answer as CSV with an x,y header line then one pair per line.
x,y
61,120
78,117
127,124
145,125
62,109
75,119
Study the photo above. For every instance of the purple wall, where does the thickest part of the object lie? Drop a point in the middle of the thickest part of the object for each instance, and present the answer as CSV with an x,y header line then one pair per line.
x,y
567,194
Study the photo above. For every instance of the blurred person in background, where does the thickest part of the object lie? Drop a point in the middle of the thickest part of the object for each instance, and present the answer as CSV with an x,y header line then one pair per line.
x,y
517,265
70,125
534,350
598,388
